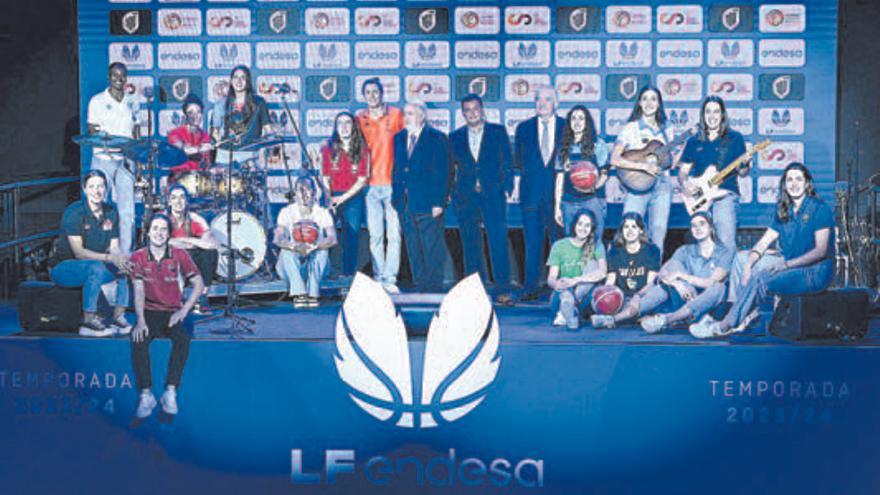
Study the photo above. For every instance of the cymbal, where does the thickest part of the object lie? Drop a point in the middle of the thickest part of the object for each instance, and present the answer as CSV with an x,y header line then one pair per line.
x,y
165,154
267,141
102,140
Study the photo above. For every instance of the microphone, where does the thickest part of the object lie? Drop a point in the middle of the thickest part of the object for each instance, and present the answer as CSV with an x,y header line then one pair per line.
x,y
148,93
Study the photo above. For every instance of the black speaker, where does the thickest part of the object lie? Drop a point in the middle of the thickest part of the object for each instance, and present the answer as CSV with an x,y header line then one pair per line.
x,y
835,314
46,307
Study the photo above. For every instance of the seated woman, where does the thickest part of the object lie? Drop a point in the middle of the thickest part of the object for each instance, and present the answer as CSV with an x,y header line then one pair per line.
x,y
633,263
804,226
576,263
191,232
88,255
192,139
302,263
691,282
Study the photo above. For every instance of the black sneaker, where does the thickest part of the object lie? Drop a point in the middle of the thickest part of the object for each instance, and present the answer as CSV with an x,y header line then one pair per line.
x,y
93,326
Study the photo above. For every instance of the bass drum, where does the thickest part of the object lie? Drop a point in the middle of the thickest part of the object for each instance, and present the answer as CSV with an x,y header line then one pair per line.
x,y
248,237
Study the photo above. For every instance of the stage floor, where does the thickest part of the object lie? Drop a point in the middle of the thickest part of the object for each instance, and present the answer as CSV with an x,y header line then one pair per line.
x,y
524,323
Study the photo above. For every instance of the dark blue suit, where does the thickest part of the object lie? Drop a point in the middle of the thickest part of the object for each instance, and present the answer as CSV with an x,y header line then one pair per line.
x,y
536,186
478,195
421,182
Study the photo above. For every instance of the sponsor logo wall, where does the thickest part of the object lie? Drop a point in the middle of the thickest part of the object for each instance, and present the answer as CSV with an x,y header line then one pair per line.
x,y
773,63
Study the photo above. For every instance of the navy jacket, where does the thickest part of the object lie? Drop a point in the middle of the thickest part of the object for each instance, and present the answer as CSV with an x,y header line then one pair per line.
x,y
421,181
493,167
537,178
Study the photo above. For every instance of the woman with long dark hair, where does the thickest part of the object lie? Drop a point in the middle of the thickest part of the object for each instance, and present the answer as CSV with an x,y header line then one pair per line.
x,y
190,231
575,265
580,144
715,144
243,115
647,123
345,165
804,226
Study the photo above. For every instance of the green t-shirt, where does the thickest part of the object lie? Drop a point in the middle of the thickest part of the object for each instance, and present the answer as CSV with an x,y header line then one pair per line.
x,y
570,258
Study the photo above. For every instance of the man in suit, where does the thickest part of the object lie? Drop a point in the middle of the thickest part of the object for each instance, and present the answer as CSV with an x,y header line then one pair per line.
x,y
483,177
420,188
535,143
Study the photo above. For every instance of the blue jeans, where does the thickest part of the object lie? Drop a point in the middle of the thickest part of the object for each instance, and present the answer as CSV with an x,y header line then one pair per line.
x,y
351,215
383,224
537,222
91,275
120,185
571,302
794,281
656,203
768,260
724,211
596,205
303,274
705,301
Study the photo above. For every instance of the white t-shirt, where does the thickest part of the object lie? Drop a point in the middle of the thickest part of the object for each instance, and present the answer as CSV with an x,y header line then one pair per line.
x,y
116,118
291,214
637,134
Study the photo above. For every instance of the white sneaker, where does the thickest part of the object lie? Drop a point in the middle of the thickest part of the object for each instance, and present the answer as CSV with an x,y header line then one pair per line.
x,y
93,326
169,401
602,321
559,321
654,323
120,325
391,288
146,405
703,328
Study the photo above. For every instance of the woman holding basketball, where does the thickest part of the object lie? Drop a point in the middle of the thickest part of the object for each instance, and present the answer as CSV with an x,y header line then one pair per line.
x,y
633,263
576,263
580,171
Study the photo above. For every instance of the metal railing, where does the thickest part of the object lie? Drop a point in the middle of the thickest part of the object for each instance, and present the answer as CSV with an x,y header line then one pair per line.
x,y
12,242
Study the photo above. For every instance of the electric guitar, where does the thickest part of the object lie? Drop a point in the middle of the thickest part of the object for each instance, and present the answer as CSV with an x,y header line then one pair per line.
x,y
655,152
706,188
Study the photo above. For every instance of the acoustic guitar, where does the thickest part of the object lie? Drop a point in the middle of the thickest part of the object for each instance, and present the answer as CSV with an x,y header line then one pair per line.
x,y
706,188
655,152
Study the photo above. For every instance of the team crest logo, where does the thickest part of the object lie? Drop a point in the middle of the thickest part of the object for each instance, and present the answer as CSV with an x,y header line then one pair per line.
x,y
180,88
428,20
131,22
460,361
629,86
478,86
622,19
321,21
278,21
521,87
470,19
578,19
672,87
782,87
220,89
731,18
328,88
775,17
173,22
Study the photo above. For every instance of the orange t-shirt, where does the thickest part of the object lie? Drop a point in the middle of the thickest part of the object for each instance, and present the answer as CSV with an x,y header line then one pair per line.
x,y
379,134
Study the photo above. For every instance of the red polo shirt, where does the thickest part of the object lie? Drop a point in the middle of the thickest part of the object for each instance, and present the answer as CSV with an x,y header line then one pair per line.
x,y
342,173
161,278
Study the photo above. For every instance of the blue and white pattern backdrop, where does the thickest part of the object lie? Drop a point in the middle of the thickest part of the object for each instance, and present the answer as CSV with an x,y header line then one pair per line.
x,y
773,62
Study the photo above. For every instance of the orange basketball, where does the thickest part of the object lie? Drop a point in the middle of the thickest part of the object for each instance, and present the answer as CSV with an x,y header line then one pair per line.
x,y
305,232
583,175
607,300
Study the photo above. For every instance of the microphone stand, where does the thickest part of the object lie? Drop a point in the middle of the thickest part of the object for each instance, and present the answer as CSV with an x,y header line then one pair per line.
x,y
308,165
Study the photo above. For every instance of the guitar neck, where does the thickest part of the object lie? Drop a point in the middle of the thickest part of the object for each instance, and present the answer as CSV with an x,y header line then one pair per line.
x,y
722,175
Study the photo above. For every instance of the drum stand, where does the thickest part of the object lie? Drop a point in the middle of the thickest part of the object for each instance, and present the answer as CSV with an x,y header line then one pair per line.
x,y
239,325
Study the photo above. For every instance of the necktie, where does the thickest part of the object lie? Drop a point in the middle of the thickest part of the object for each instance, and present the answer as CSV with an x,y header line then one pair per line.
x,y
545,141
410,145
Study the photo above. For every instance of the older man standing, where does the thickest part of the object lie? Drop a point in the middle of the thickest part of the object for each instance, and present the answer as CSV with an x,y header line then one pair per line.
x,y
420,188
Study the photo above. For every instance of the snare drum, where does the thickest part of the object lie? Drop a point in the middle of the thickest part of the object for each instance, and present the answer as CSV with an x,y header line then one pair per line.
x,y
248,237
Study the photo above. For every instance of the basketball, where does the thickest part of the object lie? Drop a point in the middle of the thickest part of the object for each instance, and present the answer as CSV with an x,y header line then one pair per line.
x,y
607,300
583,175
305,232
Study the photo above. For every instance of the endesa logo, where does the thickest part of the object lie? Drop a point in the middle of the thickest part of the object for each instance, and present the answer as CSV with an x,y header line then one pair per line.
x,y
680,87
785,87
272,88
229,22
322,22
781,121
487,87
527,54
328,55
135,56
527,20
579,87
624,19
327,89
228,55
427,88
427,21
277,22
180,56
390,82
782,53
438,118
779,154
377,55
319,123
731,53
578,54
521,87
679,19
180,22
679,53
782,18
768,189
426,54
741,120
731,19
376,21
477,54
732,87
278,55
628,53
615,119
131,22
445,471
175,89
477,20
575,20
